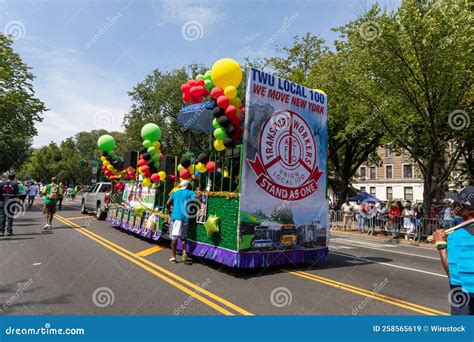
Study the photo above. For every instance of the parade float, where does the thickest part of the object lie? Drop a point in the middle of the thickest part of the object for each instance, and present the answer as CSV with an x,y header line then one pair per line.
x,y
261,188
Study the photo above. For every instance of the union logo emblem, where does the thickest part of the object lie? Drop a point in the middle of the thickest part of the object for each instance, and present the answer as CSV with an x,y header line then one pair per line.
x,y
285,164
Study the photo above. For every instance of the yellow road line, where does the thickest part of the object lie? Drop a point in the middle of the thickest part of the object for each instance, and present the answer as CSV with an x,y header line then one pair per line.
x,y
79,217
149,251
165,274
367,293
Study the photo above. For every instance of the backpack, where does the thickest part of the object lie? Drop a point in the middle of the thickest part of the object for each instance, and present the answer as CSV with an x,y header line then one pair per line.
x,y
53,191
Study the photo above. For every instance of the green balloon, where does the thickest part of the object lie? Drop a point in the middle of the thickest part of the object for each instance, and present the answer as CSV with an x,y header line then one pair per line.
x,y
215,123
151,150
112,154
146,143
200,77
209,85
219,134
151,132
156,159
207,75
106,143
180,167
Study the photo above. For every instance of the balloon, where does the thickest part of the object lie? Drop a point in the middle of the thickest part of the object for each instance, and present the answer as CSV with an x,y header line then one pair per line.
x,y
200,77
200,83
230,92
186,97
191,168
230,111
162,175
103,158
146,143
106,143
155,178
216,92
196,99
211,166
146,156
105,153
152,150
217,112
151,132
223,102
226,72
236,121
203,158
151,163
229,142
185,88
184,173
108,173
147,182
195,91
145,169
141,162
156,159
153,169
140,170
212,225
236,102
207,75
110,167
219,146
208,84
223,121
143,150
185,162
215,123
157,145
219,133
201,167
180,167
230,131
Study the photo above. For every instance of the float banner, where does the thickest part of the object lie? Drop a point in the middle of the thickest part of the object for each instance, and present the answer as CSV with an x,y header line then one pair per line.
x,y
283,197
135,194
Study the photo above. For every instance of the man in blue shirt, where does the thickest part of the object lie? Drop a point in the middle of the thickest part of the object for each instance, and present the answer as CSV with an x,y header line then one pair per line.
x,y
183,201
9,204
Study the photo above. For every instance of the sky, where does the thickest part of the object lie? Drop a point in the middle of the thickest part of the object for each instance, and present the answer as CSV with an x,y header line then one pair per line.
x,y
87,55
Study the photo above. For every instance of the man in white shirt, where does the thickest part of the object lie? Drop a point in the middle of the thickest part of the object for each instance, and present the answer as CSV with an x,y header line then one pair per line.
x,y
32,192
347,211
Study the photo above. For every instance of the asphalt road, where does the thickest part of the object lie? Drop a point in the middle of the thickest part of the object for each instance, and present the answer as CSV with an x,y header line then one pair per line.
x,y
85,266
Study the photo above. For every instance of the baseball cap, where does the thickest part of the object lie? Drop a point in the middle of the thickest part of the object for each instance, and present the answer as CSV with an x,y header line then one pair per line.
x,y
465,196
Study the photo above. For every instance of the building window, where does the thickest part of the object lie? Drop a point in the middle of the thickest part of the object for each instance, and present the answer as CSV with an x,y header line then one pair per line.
x,y
373,172
389,193
362,189
388,152
408,193
372,190
407,171
362,172
388,171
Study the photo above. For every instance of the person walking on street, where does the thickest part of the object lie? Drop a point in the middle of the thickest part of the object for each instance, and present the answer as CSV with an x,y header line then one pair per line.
x,y
60,196
347,211
9,193
394,218
51,195
32,192
464,204
360,217
22,189
181,200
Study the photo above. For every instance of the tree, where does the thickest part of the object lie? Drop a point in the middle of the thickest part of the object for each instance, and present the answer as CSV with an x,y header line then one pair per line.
x,y
157,99
353,136
418,58
19,108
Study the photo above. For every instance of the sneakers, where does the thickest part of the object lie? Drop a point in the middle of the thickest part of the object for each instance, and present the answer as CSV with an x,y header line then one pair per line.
x,y
47,227
184,257
173,260
10,234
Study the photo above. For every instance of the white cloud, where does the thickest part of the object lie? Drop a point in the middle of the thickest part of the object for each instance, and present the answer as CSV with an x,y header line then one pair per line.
x,y
206,13
81,97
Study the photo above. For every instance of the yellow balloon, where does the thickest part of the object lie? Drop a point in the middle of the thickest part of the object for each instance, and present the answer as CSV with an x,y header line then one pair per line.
x,y
147,182
140,170
110,167
230,92
103,159
191,168
157,146
219,145
201,167
226,72
320,91
162,175
236,102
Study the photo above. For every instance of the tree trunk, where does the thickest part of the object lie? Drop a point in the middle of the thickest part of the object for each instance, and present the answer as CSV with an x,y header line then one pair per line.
x,y
432,189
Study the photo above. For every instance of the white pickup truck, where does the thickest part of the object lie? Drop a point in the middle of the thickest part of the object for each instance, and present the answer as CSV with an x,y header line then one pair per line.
x,y
97,200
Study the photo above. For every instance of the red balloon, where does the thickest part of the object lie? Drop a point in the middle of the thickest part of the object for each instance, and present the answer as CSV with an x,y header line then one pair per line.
x,y
195,91
216,92
205,92
230,111
185,88
223,101
211,166
184,173
201,83
108,173
235,121
172,178
192,83
196,99
142,162
145,169
186,97
155,178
